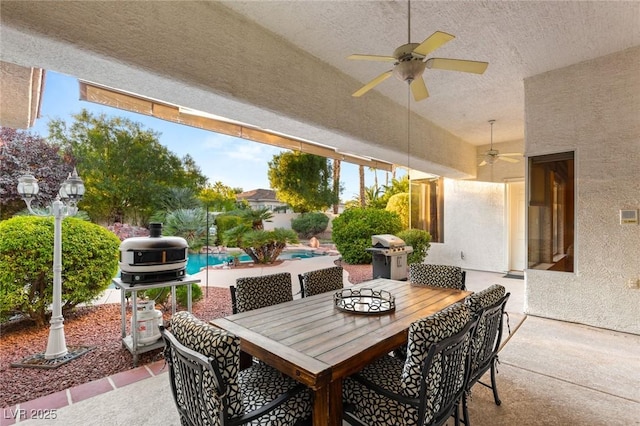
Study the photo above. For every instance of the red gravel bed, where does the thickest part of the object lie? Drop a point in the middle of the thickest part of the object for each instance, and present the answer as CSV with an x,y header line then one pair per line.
x,y
98,327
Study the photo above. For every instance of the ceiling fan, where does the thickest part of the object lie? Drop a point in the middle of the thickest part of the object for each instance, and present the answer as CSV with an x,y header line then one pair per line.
x,y
493,155
410,61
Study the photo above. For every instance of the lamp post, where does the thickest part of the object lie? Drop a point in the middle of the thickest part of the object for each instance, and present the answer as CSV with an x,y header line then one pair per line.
x,y
65,204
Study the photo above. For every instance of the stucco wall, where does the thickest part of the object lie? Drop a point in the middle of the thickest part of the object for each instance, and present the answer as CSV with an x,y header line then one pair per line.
x,y
474,224
594,109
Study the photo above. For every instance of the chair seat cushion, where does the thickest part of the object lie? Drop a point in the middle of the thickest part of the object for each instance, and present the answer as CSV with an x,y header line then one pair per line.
x,y
371,407
261,384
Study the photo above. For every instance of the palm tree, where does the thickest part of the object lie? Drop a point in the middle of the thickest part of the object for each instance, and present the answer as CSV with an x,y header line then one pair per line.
x,y
362,187
257,217
375,176
189,224
336,184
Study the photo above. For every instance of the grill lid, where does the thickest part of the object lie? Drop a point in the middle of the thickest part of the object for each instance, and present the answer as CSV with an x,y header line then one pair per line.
x,y
386,241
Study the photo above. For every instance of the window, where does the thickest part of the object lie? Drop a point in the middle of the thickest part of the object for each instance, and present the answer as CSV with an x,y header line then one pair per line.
x,y
427,207
551,212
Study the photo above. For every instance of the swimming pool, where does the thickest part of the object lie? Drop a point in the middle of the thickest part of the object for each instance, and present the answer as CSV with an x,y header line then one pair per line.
x,y
198,261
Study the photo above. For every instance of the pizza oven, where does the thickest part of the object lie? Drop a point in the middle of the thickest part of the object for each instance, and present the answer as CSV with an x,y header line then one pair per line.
x,y
154,258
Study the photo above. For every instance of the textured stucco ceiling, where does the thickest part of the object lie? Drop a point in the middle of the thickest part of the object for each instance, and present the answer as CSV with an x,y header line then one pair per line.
x,y
519,39
282,65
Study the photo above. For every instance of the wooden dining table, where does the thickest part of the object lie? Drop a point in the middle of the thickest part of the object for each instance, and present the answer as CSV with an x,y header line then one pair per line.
x,y
317,344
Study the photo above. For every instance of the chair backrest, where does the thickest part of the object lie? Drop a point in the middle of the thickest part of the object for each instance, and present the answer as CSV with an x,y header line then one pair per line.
x,y
436,370
437,275
257,292
203,367
488,307
321,281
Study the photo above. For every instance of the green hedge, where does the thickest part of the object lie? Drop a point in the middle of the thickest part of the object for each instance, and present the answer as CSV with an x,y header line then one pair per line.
x,y
89,262
352,231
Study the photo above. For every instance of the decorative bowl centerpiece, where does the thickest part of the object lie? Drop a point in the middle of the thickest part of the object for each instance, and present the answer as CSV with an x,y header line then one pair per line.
x,y
364,301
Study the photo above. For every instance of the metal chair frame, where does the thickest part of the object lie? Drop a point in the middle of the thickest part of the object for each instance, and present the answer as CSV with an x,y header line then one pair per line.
x,y
456,347
485,356
192,366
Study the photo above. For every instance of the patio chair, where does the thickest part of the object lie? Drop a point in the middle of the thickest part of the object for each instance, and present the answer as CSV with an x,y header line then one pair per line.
x,y
437,275
426,388
321,281
487,306
257,292
209,389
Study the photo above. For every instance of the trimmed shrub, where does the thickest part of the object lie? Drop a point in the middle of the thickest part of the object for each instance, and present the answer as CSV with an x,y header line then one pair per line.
x,y
89,262
399,203
308,225
420,241
352,232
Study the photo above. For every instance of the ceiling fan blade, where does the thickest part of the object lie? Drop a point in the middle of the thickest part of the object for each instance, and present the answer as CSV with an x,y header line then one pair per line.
x,y
511,154
484,163
432,42
373,83
507,159
381,58
463,65
419,89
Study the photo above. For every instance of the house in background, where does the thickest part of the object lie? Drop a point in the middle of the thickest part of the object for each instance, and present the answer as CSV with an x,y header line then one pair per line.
x,y
263,198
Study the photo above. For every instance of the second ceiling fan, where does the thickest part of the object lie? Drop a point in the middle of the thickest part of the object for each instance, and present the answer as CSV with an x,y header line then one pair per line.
x,y
410,61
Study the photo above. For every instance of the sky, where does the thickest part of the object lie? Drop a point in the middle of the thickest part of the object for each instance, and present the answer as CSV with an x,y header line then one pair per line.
x,y
235,162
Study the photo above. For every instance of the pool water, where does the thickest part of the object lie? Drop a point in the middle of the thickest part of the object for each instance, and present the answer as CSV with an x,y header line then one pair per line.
x,y
198,261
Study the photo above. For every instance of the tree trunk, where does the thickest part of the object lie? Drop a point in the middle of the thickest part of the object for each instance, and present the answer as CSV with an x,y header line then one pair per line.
x,y
362,197
336,184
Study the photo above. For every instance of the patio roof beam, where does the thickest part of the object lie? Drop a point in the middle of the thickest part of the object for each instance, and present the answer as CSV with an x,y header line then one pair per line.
x,y
134,103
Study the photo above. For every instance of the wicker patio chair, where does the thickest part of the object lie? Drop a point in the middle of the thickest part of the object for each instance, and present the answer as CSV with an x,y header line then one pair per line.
x,y
209,389
321,281
426,388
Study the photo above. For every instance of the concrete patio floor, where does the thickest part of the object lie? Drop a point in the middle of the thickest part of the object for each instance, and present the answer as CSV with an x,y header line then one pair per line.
x,y
550,373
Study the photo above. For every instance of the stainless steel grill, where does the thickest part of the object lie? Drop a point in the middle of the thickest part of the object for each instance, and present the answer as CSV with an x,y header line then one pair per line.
x,y
389,257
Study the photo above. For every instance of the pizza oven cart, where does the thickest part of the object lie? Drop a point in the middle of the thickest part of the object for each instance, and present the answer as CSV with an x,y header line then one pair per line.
x,y
131,341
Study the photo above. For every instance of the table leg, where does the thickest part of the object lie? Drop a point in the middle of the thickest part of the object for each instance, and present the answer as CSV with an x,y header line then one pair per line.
x,y
321,406
327,405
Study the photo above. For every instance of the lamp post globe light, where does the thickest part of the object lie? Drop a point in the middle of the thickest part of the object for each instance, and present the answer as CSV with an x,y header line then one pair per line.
x,y
65,204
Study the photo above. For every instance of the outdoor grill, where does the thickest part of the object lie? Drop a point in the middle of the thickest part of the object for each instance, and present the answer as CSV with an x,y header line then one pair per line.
x,y
145,260
389,257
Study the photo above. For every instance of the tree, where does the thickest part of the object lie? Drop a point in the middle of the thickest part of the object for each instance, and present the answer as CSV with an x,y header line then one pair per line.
x,y
262,246
336,185
23,152
124,167
302,180
399,203
363,201
257,217
219,197
189,224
